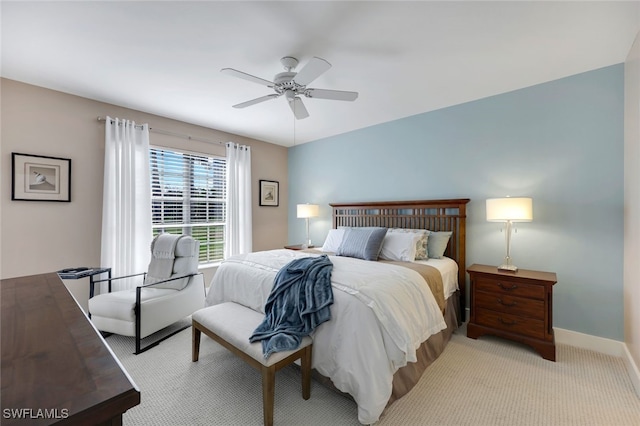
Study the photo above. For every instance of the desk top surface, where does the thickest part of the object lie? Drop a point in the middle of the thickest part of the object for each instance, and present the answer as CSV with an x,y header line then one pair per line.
x,y
53,358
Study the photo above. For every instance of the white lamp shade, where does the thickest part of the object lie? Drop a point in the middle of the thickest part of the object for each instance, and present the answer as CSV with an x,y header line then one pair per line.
x,y
513,209
308,210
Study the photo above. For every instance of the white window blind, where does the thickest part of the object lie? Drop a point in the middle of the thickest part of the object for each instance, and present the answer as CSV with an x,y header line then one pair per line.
x,y
188,196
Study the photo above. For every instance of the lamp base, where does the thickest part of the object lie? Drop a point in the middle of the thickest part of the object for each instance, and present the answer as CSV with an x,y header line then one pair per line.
x,y
510,268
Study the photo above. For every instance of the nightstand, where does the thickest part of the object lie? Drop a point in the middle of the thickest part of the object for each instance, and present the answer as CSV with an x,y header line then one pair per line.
x,y
298,247
513,305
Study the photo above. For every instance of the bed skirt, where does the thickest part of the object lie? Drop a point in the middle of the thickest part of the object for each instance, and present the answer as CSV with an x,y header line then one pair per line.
x,y
406,377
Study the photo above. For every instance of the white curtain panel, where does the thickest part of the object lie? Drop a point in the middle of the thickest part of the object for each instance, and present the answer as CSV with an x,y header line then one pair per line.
x,y
238,232
126,205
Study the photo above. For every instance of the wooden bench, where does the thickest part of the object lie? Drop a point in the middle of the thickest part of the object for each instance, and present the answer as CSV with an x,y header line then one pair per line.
x,y
231,325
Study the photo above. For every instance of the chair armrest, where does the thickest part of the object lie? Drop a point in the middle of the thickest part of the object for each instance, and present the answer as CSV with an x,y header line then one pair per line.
x,y
119,278
169,279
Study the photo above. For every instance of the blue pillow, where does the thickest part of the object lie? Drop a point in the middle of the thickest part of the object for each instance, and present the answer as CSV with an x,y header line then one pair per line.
x,y
437,243
362,243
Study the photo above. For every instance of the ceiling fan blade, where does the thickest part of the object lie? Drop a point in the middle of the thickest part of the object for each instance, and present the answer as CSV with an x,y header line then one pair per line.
x,y
336,95
298,108
245,76
312,70
256,101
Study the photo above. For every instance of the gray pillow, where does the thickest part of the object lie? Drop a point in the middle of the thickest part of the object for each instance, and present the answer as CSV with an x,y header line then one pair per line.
x,y
362,243
437,243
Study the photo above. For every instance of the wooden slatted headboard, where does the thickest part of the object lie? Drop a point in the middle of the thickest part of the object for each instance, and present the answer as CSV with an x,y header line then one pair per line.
x,y
434,215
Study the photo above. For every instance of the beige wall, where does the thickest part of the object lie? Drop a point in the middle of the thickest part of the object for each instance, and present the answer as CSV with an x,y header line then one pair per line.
x,y
632,204
39,237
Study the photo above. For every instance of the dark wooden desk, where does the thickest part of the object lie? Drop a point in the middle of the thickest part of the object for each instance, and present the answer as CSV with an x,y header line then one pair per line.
x,y
56,368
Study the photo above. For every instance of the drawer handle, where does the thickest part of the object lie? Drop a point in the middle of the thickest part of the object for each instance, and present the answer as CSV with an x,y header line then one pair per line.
x,y
502,286
500,301
507,322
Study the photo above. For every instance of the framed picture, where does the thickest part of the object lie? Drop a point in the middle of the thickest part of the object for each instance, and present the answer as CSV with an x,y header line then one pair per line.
x,y
40,178
269,193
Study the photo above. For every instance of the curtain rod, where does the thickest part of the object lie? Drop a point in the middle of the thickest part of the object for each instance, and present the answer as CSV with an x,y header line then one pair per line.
x,y
178,135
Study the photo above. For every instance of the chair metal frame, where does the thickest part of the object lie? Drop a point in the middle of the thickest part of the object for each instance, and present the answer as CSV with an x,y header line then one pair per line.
x,y
137,308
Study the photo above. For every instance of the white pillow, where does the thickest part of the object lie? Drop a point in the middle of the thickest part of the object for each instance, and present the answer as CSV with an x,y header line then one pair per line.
x,y
333,241
421,245
400,246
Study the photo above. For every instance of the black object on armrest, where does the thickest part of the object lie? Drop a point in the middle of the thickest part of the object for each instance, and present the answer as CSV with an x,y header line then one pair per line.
x,y
73,270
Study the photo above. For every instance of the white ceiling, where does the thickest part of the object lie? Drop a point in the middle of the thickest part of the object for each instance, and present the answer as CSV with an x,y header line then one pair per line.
x,y
404,58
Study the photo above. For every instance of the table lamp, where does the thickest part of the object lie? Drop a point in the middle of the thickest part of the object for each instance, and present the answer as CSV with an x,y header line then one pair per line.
x,y
509,210
306,211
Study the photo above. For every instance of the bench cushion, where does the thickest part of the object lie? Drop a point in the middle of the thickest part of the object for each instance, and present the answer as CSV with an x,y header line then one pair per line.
x,y
235,324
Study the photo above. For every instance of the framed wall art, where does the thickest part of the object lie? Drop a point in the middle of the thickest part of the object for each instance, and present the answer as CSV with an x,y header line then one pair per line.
x,y
269,193
40,178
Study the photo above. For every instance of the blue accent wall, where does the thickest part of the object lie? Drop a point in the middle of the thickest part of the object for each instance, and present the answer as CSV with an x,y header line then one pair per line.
x,y
560,143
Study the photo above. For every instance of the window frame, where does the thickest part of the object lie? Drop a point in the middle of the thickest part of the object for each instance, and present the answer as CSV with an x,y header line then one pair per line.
x,y
210,232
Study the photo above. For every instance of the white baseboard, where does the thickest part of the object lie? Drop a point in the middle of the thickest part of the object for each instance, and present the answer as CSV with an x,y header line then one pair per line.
x,y
587,341
632,369
604,346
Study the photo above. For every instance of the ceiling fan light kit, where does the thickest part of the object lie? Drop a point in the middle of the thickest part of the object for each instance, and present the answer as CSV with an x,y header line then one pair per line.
x,y
293,85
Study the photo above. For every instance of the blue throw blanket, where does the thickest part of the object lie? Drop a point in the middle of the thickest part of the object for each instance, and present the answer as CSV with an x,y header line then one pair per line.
x,y
299,302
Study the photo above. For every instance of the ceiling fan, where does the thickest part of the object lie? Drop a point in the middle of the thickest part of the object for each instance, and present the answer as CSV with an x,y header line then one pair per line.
x,y
293,85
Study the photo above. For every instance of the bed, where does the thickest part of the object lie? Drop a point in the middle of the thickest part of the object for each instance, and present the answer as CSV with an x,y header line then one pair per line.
x,y
377,345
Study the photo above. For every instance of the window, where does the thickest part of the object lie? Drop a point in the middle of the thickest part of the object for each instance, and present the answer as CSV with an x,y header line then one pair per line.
x,y
188,196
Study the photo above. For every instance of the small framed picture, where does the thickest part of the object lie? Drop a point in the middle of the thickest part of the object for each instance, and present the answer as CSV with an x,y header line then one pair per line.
x,y
40,178
269,193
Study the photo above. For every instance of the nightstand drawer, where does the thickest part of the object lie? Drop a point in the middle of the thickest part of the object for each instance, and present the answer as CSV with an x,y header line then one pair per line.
x,y
513,288
511,304
512,323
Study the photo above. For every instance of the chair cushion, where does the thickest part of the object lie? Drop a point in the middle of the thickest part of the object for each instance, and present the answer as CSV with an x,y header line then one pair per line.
x,y
120,304
235,323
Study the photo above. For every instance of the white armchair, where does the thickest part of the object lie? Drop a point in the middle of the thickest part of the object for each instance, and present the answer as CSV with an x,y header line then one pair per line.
x,y
171,289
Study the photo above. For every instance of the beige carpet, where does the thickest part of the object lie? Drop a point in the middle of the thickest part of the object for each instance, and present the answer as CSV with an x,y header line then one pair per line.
x,y
488,381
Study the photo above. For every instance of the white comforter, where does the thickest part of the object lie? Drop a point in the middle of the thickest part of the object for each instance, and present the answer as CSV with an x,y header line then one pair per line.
x,y
381,314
